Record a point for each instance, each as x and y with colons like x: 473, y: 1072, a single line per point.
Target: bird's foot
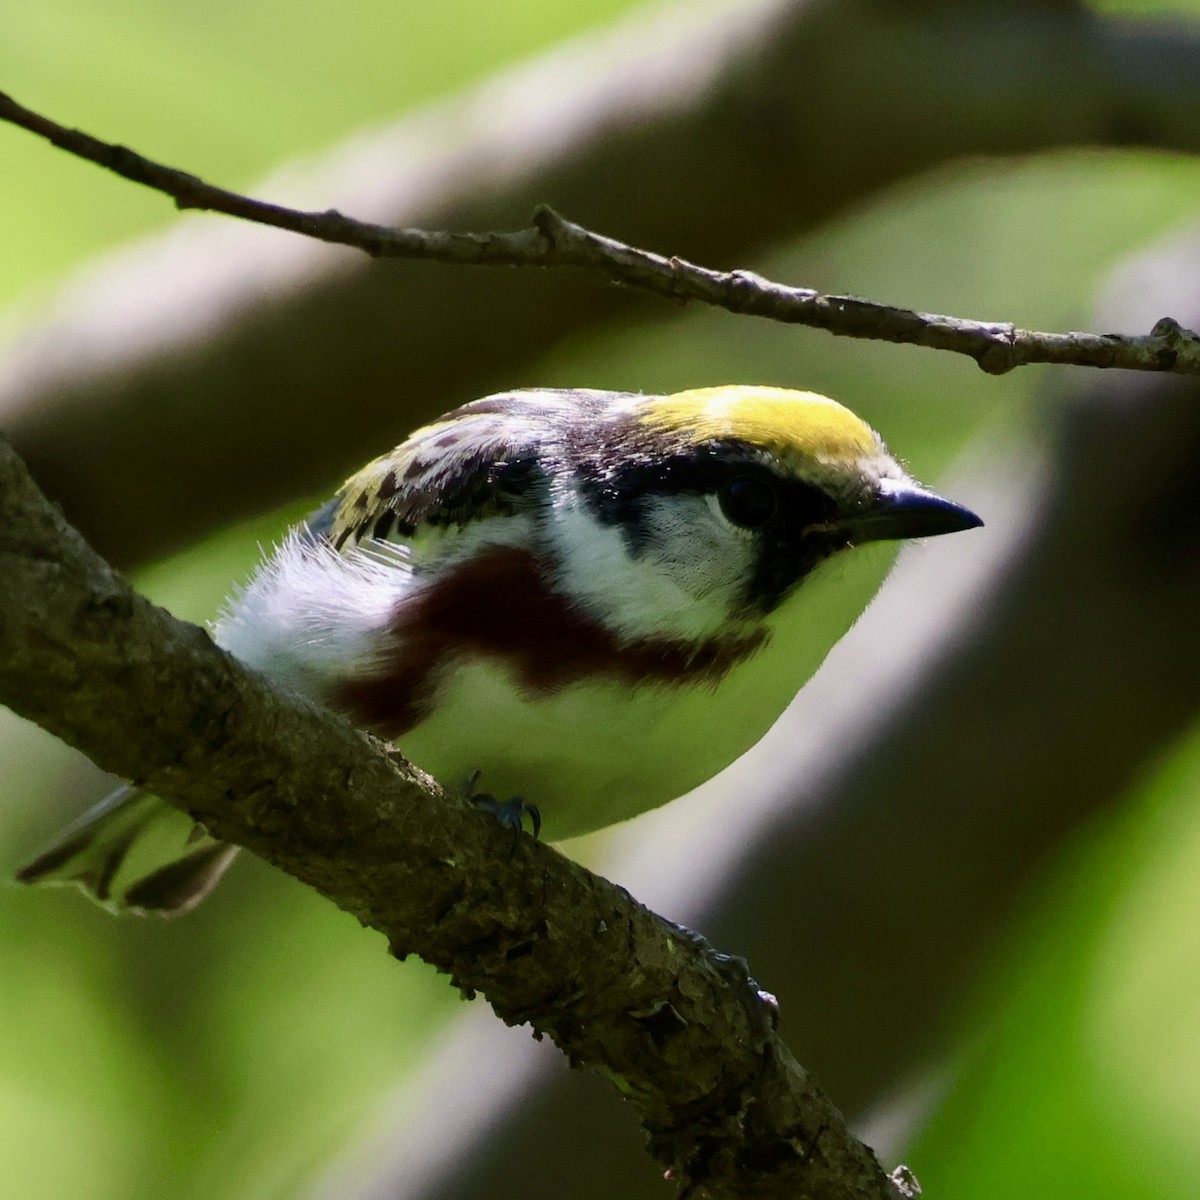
x: 511, y: 813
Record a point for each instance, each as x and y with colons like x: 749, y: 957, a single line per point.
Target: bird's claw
x: 510, y: 813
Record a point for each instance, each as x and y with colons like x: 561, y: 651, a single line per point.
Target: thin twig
x: 553, y: 241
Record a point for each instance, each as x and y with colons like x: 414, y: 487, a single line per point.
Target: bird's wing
x: 485, y: 459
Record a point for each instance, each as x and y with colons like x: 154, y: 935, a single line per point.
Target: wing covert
x: 479, y: 461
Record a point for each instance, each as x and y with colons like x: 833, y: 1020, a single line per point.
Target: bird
x: 592, y: 600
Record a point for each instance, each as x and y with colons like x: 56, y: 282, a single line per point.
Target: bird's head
x: 694, y: 514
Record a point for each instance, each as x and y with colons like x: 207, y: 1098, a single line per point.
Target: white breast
x: 598, y: 751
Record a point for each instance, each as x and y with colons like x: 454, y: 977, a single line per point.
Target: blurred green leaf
x: 1082, y: 1073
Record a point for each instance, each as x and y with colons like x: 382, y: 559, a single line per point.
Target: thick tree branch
x: 681, y: 1030
x: 556, y: 242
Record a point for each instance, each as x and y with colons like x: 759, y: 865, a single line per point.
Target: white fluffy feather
x: 311, y: 615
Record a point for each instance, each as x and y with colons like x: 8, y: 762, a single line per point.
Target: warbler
x: 596, y: 599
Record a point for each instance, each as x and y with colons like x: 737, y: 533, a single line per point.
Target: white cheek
x: 707, y: 556
x: 684, y: 583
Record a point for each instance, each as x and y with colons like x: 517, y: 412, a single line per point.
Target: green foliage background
x: 233, y: 1053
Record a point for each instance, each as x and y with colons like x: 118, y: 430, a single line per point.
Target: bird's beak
x: 903, y: 509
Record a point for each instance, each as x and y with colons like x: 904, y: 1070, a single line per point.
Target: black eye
x: 748, y: 501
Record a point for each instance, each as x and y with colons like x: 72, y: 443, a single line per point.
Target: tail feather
x: 92, y: 852
x: 180, y: 885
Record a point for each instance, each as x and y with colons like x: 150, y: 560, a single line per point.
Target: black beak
x: 903, y: 509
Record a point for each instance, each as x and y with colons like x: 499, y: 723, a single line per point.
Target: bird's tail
x: 92, y: 852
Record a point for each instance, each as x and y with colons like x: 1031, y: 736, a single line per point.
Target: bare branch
x: 681, y: 1029
x: 714, y: 128
x: 556, y: 242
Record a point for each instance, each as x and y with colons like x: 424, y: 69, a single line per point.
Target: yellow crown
x: 780, y: 420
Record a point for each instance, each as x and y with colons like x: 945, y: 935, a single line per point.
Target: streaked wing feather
x: 479, y: 461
